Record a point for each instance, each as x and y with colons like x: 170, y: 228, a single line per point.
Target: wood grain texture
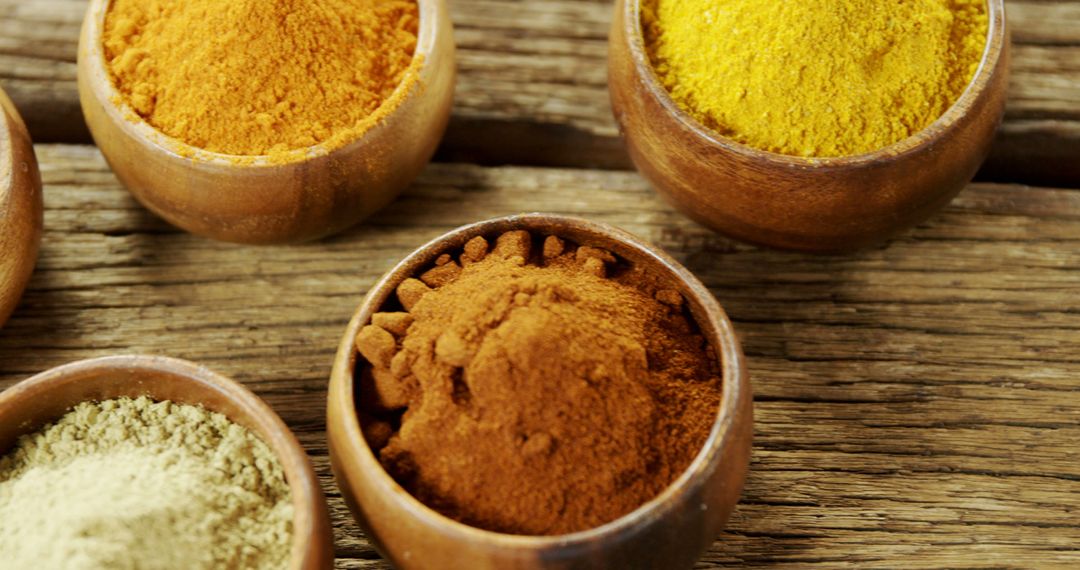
x: 532, y: 87
x: 917, y: 406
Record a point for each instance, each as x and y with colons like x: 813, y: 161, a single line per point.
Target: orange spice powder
x: 259, y: 77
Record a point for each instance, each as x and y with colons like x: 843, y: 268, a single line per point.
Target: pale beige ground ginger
x: 138, y: 484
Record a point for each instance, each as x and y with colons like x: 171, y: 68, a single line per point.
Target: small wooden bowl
x: 44, y: 398
x: 20, y: 207
x: 261, y: 201
x: 671, y: 531
x: 811, y: 204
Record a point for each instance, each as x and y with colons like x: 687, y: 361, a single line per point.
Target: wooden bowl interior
x: 708, y: 315
x: 928, y: 136
x: 44, y: 398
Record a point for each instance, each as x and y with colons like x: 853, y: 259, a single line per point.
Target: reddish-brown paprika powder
x: 536, y: 389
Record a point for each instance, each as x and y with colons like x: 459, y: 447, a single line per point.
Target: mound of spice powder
x: 133, y: 483
x: 815, y: 78
x: 260, y: 77
x: 536, y: 389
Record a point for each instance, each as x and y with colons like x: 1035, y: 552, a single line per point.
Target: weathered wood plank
x: 533, y: 87
x: 917, y: 406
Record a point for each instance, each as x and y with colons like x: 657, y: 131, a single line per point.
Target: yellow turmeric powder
x: 260, y: 77
x: 812, y: 78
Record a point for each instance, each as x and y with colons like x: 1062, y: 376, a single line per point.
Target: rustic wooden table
x: 917, y: 405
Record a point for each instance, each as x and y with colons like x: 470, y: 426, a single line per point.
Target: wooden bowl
x: 812, y: 204
x: 20, y: 207
x: 42, y: 399
x: 253, y: 199
x: 671, y: 531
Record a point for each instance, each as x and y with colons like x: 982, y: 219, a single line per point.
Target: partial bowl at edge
x: 21, y: 209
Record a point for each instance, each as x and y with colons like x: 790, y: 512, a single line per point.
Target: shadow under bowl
x: 788, y: 202
x: 670, y: 531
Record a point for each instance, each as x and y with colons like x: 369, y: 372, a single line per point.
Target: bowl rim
x: 12, y: 131
x: 735, y: 383
x: 7, y: 165
x: 927, y: 136
x: 118, y: 109
x: 307, y: 498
